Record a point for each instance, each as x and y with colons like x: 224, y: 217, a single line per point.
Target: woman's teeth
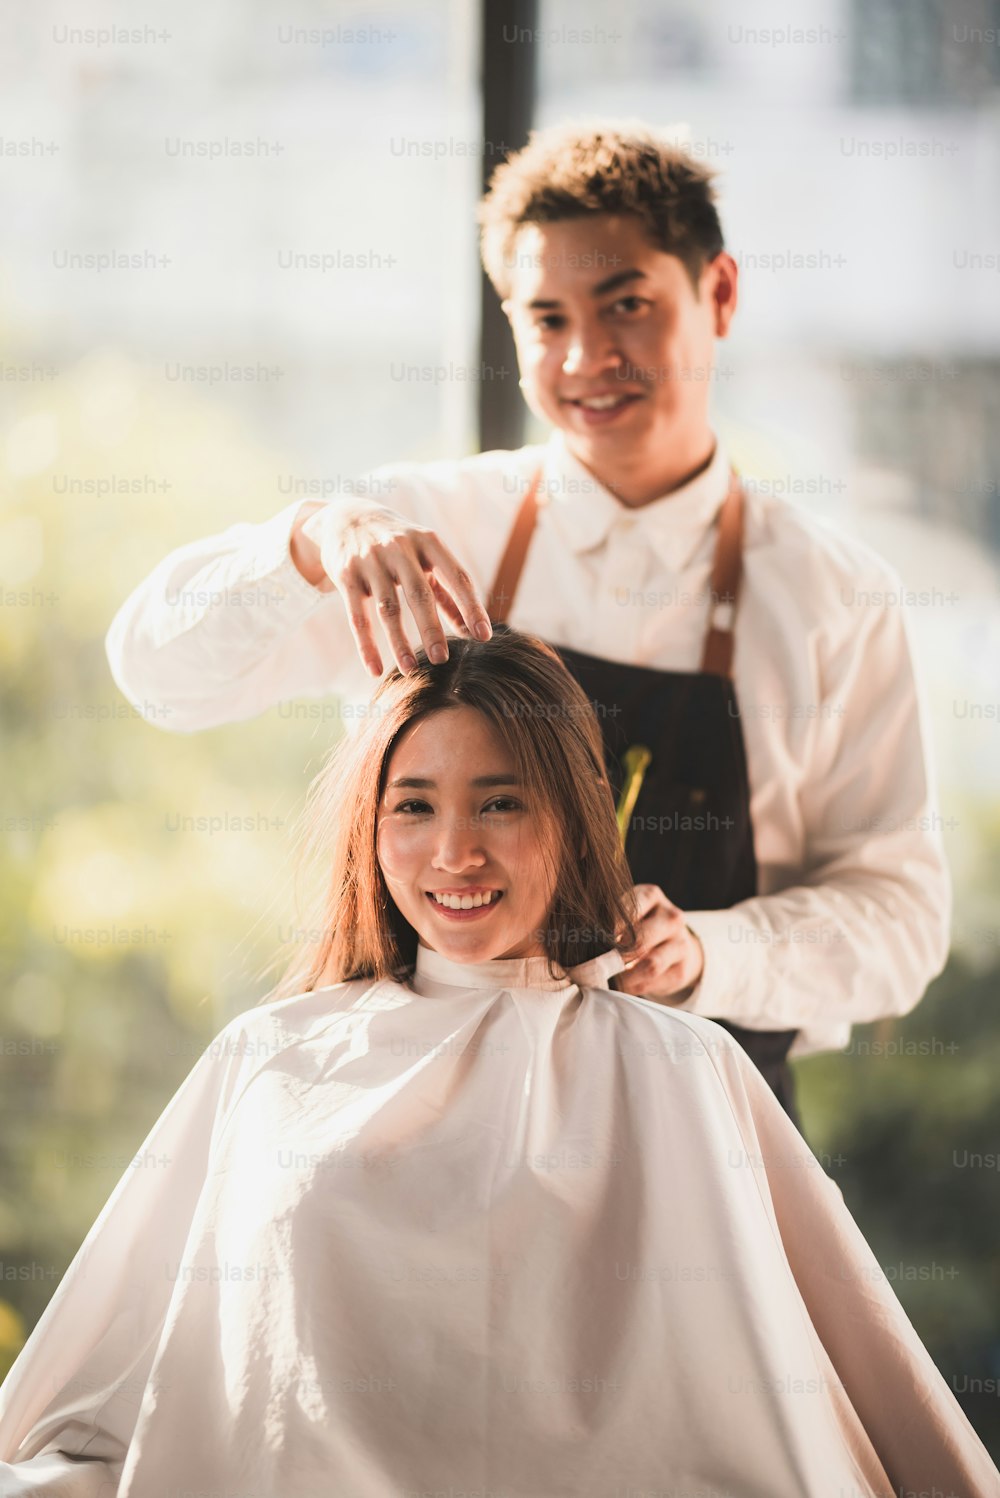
x: 466, y: 902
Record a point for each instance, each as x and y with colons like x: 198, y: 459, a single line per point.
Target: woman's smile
x: 465, y: 907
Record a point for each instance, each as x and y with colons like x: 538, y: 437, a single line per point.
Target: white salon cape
x: 488, y: 1234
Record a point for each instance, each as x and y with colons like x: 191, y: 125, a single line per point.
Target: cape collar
x: 514, y: 972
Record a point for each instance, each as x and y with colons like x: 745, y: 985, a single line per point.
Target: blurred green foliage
x: 907, y: 1121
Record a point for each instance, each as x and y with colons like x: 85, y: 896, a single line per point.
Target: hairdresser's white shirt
x: 493, y: 1232
x: 853, y: 912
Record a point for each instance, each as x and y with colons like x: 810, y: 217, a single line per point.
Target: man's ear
x: 723, y: 284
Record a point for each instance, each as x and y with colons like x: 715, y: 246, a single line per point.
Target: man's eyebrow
x: 416, y: 782
x: 610, y: 283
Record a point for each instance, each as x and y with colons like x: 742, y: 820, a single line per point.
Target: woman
x: 447, y: 1215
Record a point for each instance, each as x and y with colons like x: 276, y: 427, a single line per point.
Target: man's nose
x: 591, y: 351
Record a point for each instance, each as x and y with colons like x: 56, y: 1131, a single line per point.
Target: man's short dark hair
x: 613, y: 167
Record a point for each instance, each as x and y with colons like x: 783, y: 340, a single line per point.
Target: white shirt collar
x: 585, y: 511
x: 514, y: 972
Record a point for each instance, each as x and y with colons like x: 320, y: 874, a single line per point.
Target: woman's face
x: 453, y: 820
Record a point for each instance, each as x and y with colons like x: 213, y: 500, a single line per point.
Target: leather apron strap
x: 727, y: 570
x: 501, y: 596
x: 717, y: 657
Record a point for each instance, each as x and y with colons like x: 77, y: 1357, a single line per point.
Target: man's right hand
x: 370, y: 553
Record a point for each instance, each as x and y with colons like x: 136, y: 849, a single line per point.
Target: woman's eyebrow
x: 416, y: 782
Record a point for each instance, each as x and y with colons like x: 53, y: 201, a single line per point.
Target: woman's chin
x: 480, y: 934
x: 465, y: 946
x: 473, y: 943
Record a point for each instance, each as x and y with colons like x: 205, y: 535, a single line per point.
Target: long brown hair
x: 549, y: 726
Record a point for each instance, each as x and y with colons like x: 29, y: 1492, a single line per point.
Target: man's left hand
x: 669, y: 959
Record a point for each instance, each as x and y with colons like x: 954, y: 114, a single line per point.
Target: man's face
x: 598, y: 311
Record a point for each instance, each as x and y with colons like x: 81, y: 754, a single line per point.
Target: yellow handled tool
x: 635, y: 762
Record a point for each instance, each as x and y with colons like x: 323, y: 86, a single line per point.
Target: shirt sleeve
x: 878, y: 1369
x: 866, y: 926
x: 70, y: 1403
x: 226, y: 627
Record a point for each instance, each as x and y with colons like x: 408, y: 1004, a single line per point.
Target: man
x: 762, y: 723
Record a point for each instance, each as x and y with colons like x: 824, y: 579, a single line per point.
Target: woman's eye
x: 550, y: 321
x: 505, y: 803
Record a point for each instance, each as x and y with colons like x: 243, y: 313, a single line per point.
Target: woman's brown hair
x: 549, y: 726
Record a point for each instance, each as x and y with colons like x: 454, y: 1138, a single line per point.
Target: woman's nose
x: 459, y: 846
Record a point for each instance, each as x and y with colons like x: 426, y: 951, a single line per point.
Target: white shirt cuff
x: 269, y: 556
x: 716, y: 994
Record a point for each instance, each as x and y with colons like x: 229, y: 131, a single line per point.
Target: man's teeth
x: 603, y: 402
x: 466, y: 902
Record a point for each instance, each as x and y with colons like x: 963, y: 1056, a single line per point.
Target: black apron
x: 689, y: 831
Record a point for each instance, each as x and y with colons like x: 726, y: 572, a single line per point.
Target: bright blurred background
x: 219, y: 374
